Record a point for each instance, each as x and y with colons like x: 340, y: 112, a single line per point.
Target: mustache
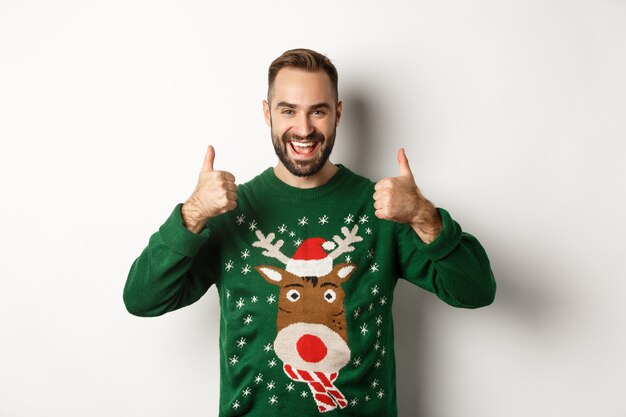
x: 316, y: 136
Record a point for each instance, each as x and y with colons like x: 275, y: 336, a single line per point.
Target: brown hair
x: 306, y: 60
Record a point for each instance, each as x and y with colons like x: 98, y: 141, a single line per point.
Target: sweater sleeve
x: 454, y: 266
x: 173, y: 271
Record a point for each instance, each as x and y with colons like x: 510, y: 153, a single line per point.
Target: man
x: 305, y: 258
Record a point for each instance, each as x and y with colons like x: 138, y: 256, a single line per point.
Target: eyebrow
x: 327, y: 284
x: 322, y: 105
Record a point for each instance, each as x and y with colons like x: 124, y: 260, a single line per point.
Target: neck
x: 319, y: 178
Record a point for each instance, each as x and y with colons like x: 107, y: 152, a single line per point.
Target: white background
x: 512, y: 114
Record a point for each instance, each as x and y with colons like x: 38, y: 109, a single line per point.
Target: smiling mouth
x: 304, y: 148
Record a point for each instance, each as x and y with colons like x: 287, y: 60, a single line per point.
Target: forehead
x: 301, y: 87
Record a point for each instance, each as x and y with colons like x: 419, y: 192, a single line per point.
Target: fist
x: 215, y: 193
x: 398, y: 198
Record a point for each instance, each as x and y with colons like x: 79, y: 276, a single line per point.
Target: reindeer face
x: 311, y: 321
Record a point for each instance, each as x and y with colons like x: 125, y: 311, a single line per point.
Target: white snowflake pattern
x: 290, y: 387
x: 227, y: 293
x: 258, y: 379
x: 379, y: 320
x: 273, y: 400
x: 236, y: 405
x: 245, y: 253
x: 304, y: 394
x: 240, y: 303
x: 233, y: 360
x: 297, y: 242
x: 364, y: 329
x: 254, y: 299
x: 271, y: 385
x: 241, y: 342
x: 303, y: 221
x: 271, y: 299
x: 357, y: 361
x: 367, y: 398
x: 354, y: 401
x: 272, y: 363
x: 374, y: 267
x: 383, y: 301
x: 377, y: 345
x: 357, y: 312
x: 348, y: 258
x: 377, y: 364
x: 268, y: 347
x: 380, y: 394
x: 252, y: 225
x: 370, y: 253
x: 246, y: 392
x: 247, y: 320
x: 363, y: 219
x: 292, y: 234
x: 323, y: 219
x: 371, y: 307
x: 375, y: 290
x: 378, y: 333
x: 368, y: 231
x: 246, y: 269
x: 282, y: 228
x: 349, y: 219
x: 374, y: 383
x: 241, y: 219
x: 229, y: 265
x: 383, y: 351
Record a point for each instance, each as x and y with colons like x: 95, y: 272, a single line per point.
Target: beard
x: 308, y: 167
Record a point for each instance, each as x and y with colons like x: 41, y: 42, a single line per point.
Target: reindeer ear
x: 343, y: 271
x: 271, y: 274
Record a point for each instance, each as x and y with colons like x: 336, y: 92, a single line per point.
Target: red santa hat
x: 311, y: 258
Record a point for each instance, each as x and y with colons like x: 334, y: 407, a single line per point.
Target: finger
x: 403, y: 162
x: 228, y: 176
x: 382, y: 184
x: 230, y: 186
x: 231, y: 196
x: 208, y: 159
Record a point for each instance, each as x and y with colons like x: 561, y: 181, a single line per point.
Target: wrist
x: 427, y: 223
x: 193, y: 218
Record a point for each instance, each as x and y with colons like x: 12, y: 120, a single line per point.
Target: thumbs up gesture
x: 398, y: 199
x: 215, y: 193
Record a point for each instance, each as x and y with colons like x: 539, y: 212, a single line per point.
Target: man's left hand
x: 398, y: 199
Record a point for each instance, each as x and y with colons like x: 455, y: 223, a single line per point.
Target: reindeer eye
x: 293, y: 295
x: 330, y: 296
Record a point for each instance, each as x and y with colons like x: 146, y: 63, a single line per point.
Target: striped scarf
x: 327, y: 396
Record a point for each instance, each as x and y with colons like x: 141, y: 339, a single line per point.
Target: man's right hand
x: 216, y: 193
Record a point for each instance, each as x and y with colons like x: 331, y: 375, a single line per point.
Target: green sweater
x: 305, y: 279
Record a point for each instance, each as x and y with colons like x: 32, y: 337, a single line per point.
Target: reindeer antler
x: 344, y: 245
x: 271, y: 250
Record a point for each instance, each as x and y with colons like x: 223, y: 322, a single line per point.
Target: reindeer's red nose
x: 311, y: 348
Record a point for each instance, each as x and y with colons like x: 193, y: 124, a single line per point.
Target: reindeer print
x: 312, y: 339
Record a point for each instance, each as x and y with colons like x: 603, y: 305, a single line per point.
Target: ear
x: 343, y: 271
x: 266, y: 113
x: 271, y: 274
x: 339, y: 111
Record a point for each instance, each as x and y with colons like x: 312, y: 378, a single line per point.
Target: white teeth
x: 302, y: 144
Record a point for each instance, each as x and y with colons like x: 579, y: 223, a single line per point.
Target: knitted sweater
x: 305, y: 280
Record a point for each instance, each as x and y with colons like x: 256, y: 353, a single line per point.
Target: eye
x: 293, y: 295
x: 330, y: 296
x: 319, y: 112
x: 287, y: 112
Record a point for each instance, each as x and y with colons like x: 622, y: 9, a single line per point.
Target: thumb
x: 403, y: 162
x: 208, y: 159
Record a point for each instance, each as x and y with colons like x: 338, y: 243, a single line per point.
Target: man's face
x: 303, y: 116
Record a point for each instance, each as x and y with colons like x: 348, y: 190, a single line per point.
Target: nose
x: 304, y: 127
x: 311, y: 348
